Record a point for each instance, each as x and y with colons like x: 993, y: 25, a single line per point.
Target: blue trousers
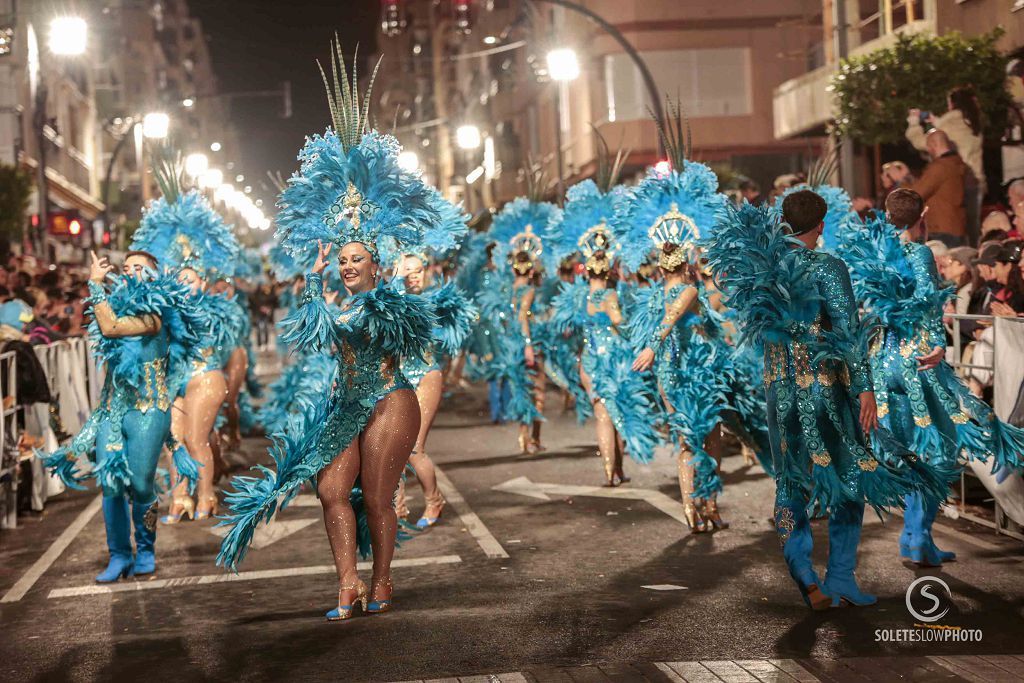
x: 144, y: 436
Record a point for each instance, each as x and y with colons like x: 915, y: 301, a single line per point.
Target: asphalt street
x: 533, y: 567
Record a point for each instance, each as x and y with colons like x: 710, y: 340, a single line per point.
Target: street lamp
x: 563, y: 64
x: 211, y: 179
x: 156, y: 125
x: 68, y: 36
x: 408, y: 161
x: 196, y: 164
x: 467, y: 136
x: 214, y: 146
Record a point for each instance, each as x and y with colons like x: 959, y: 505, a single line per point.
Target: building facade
x: 487, y: 68
x: 74, y: 121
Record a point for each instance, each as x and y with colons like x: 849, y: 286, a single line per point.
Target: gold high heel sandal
x: 710, y: 513
x: 378, y: 606
x: 342, y: 612
x: 212, y: 512
x: 524, y: 444
x: 187, y: 508
x: 693, y: 519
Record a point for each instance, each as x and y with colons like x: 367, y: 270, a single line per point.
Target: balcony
x: 803, y: 104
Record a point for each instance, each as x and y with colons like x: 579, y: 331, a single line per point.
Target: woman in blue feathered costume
x: 517, y: 231
x: 798, y: 305
x: 455, y: 317
x: 350, y: 191
x: 189, y: 238
x: 146, y: 332
x: 670, y: 323
x: 920, y: 398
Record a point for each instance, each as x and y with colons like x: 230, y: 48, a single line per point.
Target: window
x: 712, y: 82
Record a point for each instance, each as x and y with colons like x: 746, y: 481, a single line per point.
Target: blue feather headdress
x: 519, y: 228
x: 671, y: 211
x: 350, y: 187
x: 438, y: 239
x: 183, y: 230
x: 586, y: 208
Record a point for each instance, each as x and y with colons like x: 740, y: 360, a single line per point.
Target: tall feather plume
x: 167, y: 171
x: 824, y: 168
x: 536, y: 180
x: 277, y: 181
x: 608, y: 168
x: 674, y: 131
x: 350, y: 114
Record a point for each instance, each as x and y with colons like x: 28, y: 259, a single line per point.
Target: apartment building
x: 487, y: 69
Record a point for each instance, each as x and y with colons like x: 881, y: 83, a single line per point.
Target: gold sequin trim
x: 960, y: 418
x: 923, y: 421
x: 155, y: 374
x: 868, y: 464
x: 821, y: 459
x: 883, y: 410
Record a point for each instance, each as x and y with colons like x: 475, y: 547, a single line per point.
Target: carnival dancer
x: 517, y: 231
x: 349, y: 193
x: 480, y: 276
x: 670, y: 321
x: 147, y: 334
x: 455, y: 317
x: 920, y: 398
x: 798, y: 305
x: 191, y: 240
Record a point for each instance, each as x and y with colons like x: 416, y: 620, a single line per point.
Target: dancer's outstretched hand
x: 100, y: 267
x: 323, y: 251
x: 644, y: 361
x: 932, y: 359
x: 868, y: 412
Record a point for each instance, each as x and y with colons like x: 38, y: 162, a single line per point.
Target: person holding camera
x: 963, y: 125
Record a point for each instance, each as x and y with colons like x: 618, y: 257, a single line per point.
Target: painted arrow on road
x: 270, y: 533
x: 522, y: 486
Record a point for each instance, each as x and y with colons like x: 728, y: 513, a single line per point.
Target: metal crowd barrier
x: 1003, y: 384
x: 8, y: 442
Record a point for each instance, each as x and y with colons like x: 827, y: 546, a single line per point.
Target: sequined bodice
x: 598, y: 329
x: 365, y: 372
x: 151, y: 352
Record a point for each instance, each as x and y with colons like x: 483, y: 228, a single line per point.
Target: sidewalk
x: 983, y: 669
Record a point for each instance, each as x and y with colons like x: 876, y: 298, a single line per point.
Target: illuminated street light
x: 563, y: 64
x: 211, y: 179
x: 196, y: 164
x: 467, y: 136
x: 68, y: 36
x: 408, y: 161
x: 490, y: 40
x: 156, y: 125
x: 188, y: 103
x: 224, y: 192
x: 215, y: 147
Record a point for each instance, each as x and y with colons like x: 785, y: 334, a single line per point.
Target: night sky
x: 257, y: 44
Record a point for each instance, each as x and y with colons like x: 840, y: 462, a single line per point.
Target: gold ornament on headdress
x: 676, y: 228
x: 597, y: 248
x: 525, y: 243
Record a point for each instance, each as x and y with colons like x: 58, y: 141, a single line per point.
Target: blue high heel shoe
x: 119, y: 539
x: 342, y: 612
x: 437, y: 501
x: 794, y: 529
x: 378, y: 606
x: 844, y: 527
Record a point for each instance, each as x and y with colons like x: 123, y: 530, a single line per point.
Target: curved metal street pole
x: 108, y: 178
x: 627, y: 47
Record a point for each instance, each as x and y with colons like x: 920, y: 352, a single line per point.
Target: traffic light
x: 65, y: 223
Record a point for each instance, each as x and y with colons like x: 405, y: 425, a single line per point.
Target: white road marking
x: 226, y: 577
x: 524, y: 487
x: 267, y: 534
x: 29, y: 578
x: 474, y: 525
x: 665, y: 587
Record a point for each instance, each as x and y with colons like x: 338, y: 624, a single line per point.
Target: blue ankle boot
x: 843, y: 540
x: 119, y: 539
x: 911, y: 523
x: 144, y: 518
x: 794, y: 529
x: 930, y: 511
